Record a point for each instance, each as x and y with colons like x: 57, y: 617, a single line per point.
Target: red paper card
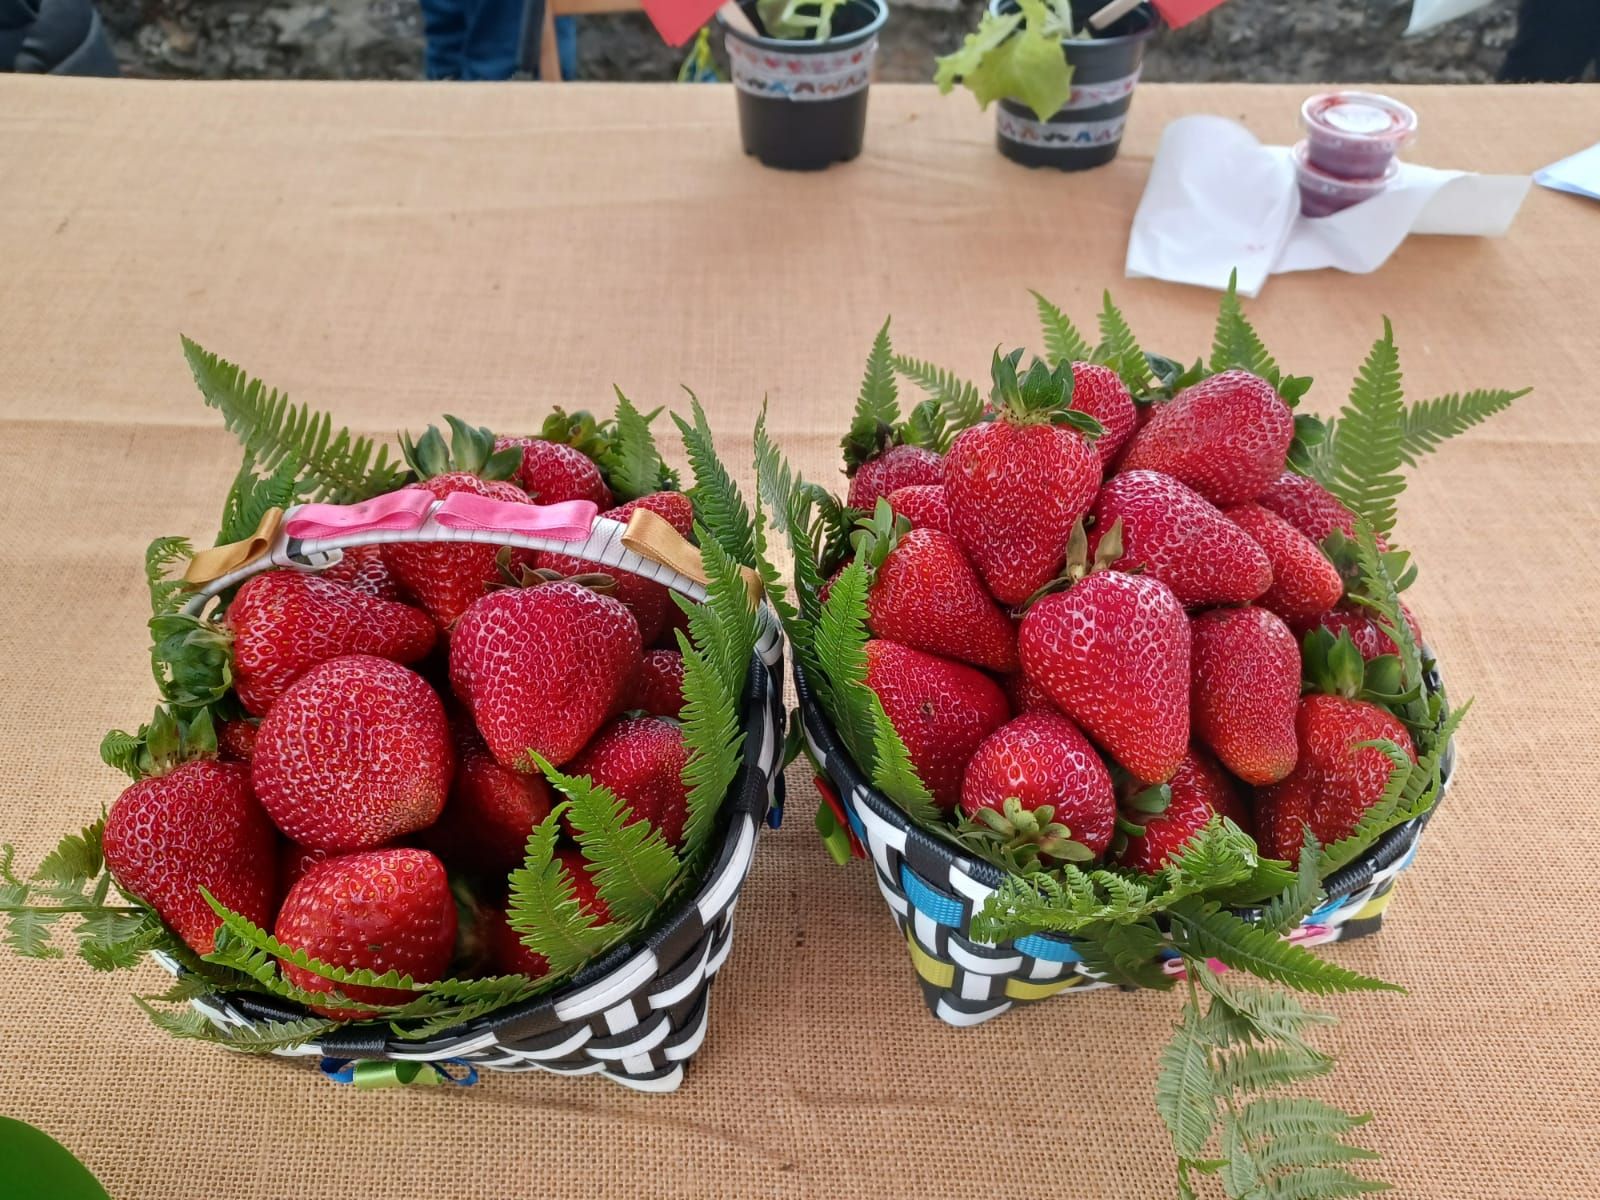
x: 1177, y: 13
x: 679, y: 20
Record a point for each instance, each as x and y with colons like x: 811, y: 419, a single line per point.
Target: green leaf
x: 544, y: 909
x: 1300, y: 898
x: 1119, y: 349
x: 1235, y: 342
x: 116, y: 941
x: 1368, y: 440
x: 252, y: 496
x: 28, y: 932
x: 718, y: 506
x: 958, y: 404
x: 1210, y: 932
x: 632, y: 865
x: 1186, y: 1098
x: 339, y: 468
x: 892, y: 772
x: 841, y: 640
x: 1295, y: 1117
x: 1382, y: 815
x: 967, y: 59
x: 877, y: 406
x: 1429, y: 422
x: 1062, y: 341
x: 1259, y: 1068
x: 77, y: 857
x: 631, y: 461
x: 1319, y: 1183
x: 260, y: 1037
x: 1028, y: 68
x: 160, y: 557
x: 1125, y: 954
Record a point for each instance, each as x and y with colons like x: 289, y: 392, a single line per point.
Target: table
x: 394, y: 251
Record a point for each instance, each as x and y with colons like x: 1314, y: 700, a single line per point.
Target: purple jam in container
x: 1355, y: 135
x: 1322, y: 194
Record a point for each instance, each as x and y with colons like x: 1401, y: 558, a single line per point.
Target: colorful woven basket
x: 638, y: 1015
x: 933, y: 889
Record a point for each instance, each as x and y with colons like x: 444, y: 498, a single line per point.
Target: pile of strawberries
x: 379, y: 783
x: 1085, y: 621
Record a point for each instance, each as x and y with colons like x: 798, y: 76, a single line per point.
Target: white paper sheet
x: 1218, y: 200
x: 1579, y: 174
x: 1425, y: 14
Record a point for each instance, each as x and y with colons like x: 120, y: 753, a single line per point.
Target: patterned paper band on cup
x: 1094, y: 95
x: 801, y: 76
x: 1062, y: 134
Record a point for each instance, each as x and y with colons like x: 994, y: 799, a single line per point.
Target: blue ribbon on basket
x: 369, y: 1074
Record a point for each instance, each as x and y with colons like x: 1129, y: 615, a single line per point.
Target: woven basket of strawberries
x: 459, y: 761
x: 1108, y: 674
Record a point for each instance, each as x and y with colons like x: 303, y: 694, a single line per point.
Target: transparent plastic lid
x: 1359, y: 117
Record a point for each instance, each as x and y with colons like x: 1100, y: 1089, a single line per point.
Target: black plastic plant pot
x: 1087, y: 132
x: 933, y: 890
x: 803, y: 105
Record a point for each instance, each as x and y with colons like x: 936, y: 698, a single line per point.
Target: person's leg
x: 494, y: 39
x: 444, y: 32
x: 1556, y: 41
x: 567, y: 46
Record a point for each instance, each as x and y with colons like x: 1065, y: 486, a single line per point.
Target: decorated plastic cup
x: 1322, y: 194
x: 1355, y: 135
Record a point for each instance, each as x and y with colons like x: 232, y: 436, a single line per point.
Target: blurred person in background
x: 490, y: 39
x: 1557, y: 42
x: 54, y: 37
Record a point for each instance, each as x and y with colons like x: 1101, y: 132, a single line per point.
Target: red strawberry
x: 1026, y: 696
x: 1333, y: 782
x: 541, y: 668
x: 353, y: 755
x: 509, y: 955
x: 641, y: 760
x: 1308, y: 506
x: 446, y: 577
x: 926, y: 595
x: 1246, y: 668
x: 1174, y: 534
x: 491, y: 810
x: 658, y: 688
x: 1199, y: 790
x: 1226, y: 437
x: 1099, y: 391
x: 236, y: 740
x: 295, y: 860
x: 924, y: 505
x: 649, y: 601
x: 552, y: 472
x: 380, y: 911
x: 1018, y: 484
x: 895, y: 468
x: 363, y: 568
x: 196, y: 826
x: 941, y: 709
x: 1041, y: 759
x: 285, y: 622
x: 1112, y: 652
x: 1304, y: 582
x: 1370, y: 640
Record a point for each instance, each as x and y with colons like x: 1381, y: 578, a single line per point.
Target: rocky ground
x: 1257, y: 40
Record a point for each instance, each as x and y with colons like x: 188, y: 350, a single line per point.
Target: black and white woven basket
x: 933, y: 890
x: 638, y: 1015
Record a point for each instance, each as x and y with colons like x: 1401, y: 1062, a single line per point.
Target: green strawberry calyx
x: 1042, y: 396
x: 1030, y: 839
x: 875, y: 537
x: 1334, y: 666
x: 515, y: 573
x: 1079, y: 565
x: 165, y: 742
x: 579, y: 430
x: 470, y: 450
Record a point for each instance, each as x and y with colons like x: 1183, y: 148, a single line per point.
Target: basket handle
x: 651, y: 536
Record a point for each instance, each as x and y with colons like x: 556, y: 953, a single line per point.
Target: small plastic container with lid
x: 1355, y: 135
x: 1322, y: 194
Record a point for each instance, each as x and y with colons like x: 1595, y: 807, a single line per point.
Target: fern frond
x: 1293, y: 1117
x: 251, y: 496
x: 160, y: 557
x: 1208, y: 931
x: 877, y: 405
x: 1062, y: 341
x: 718, y: 505
x: 1367, y: 442
x: 1429, y: 422
x: 840, y: 641
x: 339, y: 468
x: 1235, y: 342
x: 1300, y: 898
x: 260, y: 1037
x: 1128, y: 955
x: 958, y: 402
x: 76, y: 858
x: 631, y: 460
x: 892, y: 772
x: 1261, y: 1068
x: 1186, y: 1097
x: 544, y: 910
x: 1120, y: 351
x: 1381, y: 816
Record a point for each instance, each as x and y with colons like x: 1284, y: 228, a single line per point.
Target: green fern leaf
x: 1062, y: 341
x: 631, y: 461
x: 1429, y: 422
x: 1283, y: 1118
x: 184, y: 988
x: 718, y: 506
x: 1368, y: 440
x: 1209, y: 932
x: 1236, y: 343
x: 841, y: 640
x: 1261, y: 1068
x: 1319, y: 1183
x: 167, y: 596
x: 1314, y: 1151
x: 544, y: 910
x: 259, y: 1038
x: 1185, y: 1096
x: 1125, y: 954
x: 1240, y: 1174
x: 28, y: 931
x: 789, y: 499
x: 116, y: 941
x: 957, y: 402
x: 467, y: 1000
x: 877, y: 405
x: 1300, y: 898
x: 1380, y: 593
x: 339, y: 468
x: 77, y: 857
x: 892, y: 772
x: 251, y: 496
x: 1119, y: 350
x: 1381, y: 816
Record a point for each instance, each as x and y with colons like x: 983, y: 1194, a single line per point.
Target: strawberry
x: 1304, y: 581
x: 363, y: 568
x: 236, y: 740
x: 926, y: 595
x: 507, y: 952
x: 1112, y: 653
x: 676, y: 619
x: 1308, y: 506
x: 1199, y: 790
x: 924, y: 505
x: 355, y: 753
x: 1369, y: 639
x: 649, y: 601
x: 1172, y: 533
x: 1246, y: 669
x: 541, y: 668
x: 1226, y: 437
x: 1026, y: 696
x: 194, y: 825
x: 1099, y: 391
x: 285, y: 622
x: 1033, y: 763
x: 1017, y: 485
x: 658, y: 687
x: 895, y: 468
x: 641, y: 760
x: 942, y: 710
x: 1335, y: 780
x: 379, y: 911
x: 551, y: 472
x: 491, y: 810
x: 295, y: 860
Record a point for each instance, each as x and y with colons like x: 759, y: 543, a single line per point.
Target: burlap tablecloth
x: 394, y: 252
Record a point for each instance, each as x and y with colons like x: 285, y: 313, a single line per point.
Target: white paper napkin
x: 1579, y: 174
x: 1425, y: 14
x: 1218, y: 200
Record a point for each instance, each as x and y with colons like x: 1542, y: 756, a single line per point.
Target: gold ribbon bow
x: 651, y: 536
